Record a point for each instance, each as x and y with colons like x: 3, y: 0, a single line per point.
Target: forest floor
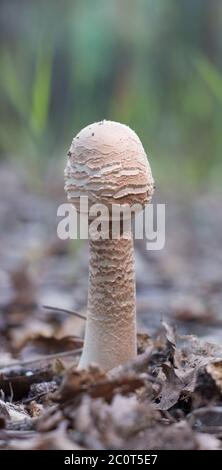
x: 170, y: 397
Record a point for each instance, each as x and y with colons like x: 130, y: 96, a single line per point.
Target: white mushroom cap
x: 107, y: 163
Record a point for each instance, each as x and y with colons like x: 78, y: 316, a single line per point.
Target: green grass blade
x: 41, y: 91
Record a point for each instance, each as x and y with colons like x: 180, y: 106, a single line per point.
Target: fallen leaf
x: 43, y: 345
x: 96, y: 384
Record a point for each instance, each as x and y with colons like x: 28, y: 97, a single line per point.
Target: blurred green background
x: 153, y: 64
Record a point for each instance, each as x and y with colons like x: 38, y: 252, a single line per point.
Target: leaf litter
x: 160, y: 400
x: 169, y: 397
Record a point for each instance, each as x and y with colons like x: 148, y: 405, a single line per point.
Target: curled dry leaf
x: 97, y: 384
x: 172, y: 387
x: 43, y: 345
x: 22, y: 330
x: 168, y: 333
x: 109, y: 388
x: 76, y: 382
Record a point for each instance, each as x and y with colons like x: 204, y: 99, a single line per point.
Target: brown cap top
x: 107, y: 163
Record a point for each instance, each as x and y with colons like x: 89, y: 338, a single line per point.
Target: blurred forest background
x: 155, y: 65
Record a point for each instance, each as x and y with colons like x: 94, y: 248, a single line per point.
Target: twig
x: 47, y: 357
x: 65, y: 310
x: 35, y: 397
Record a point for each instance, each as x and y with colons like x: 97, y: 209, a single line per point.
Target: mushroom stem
x: 110, y: 338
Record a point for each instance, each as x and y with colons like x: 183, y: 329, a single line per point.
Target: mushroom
x: 107, y: 163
